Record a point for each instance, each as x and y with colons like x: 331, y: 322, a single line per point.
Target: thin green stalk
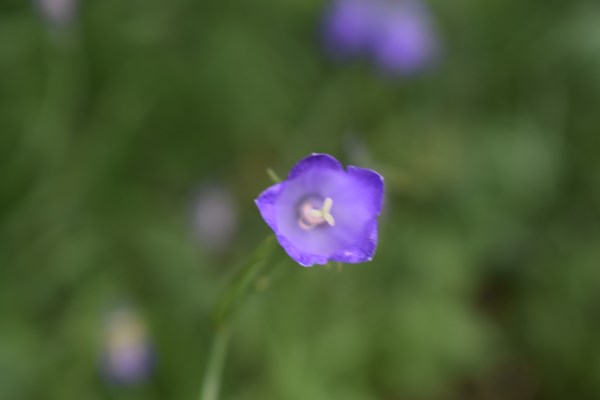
x: 212, y: 377
x: 239, y: 283
x: 231, y: 298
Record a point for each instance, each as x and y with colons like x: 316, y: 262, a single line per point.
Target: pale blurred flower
x: 127, y: 356
x: 215, y: 217
x: 58, y: 12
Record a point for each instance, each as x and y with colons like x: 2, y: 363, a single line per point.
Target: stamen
x: 311, y: 217
x: 327, y: 211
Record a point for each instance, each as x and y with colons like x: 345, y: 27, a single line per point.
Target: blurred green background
x: 486, y: 283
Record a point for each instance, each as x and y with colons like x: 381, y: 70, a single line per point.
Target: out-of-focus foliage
x: 486, y: 284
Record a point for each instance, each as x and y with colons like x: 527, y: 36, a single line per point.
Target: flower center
x: 310, y: 216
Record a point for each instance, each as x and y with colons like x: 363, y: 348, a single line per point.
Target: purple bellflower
x: 397, y: 35
x: 323, y: 213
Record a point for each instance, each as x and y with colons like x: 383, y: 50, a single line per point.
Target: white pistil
x: 311, y: 217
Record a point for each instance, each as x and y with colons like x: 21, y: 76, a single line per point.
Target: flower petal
x: 266, y: 204
x: 315, y: 160
x: 361, y: 251
x: 301, y: 257
x: 373, y: 185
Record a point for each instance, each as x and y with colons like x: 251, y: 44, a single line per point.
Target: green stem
x: 231, y: 298
x: 241, y: 280
x: 214, y: 369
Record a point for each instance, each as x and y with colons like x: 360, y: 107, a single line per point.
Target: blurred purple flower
x: 127, y: 357
x: 322, y: 213
x: 398, y: 35
x: 58, y: 12
x: 215, y: 217
x: 348, y: 27
x: 405, y: 41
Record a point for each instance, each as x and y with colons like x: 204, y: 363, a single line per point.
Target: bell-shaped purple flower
x: 324, y: 213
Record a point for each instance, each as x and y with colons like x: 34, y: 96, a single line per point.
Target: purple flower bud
x: 348, y: 27
x: 127, y: 357
x: 405, y: 41
x: 398, y: 35
x: 322, y: 213
x: 215, y: 217
x: 58, y: 12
